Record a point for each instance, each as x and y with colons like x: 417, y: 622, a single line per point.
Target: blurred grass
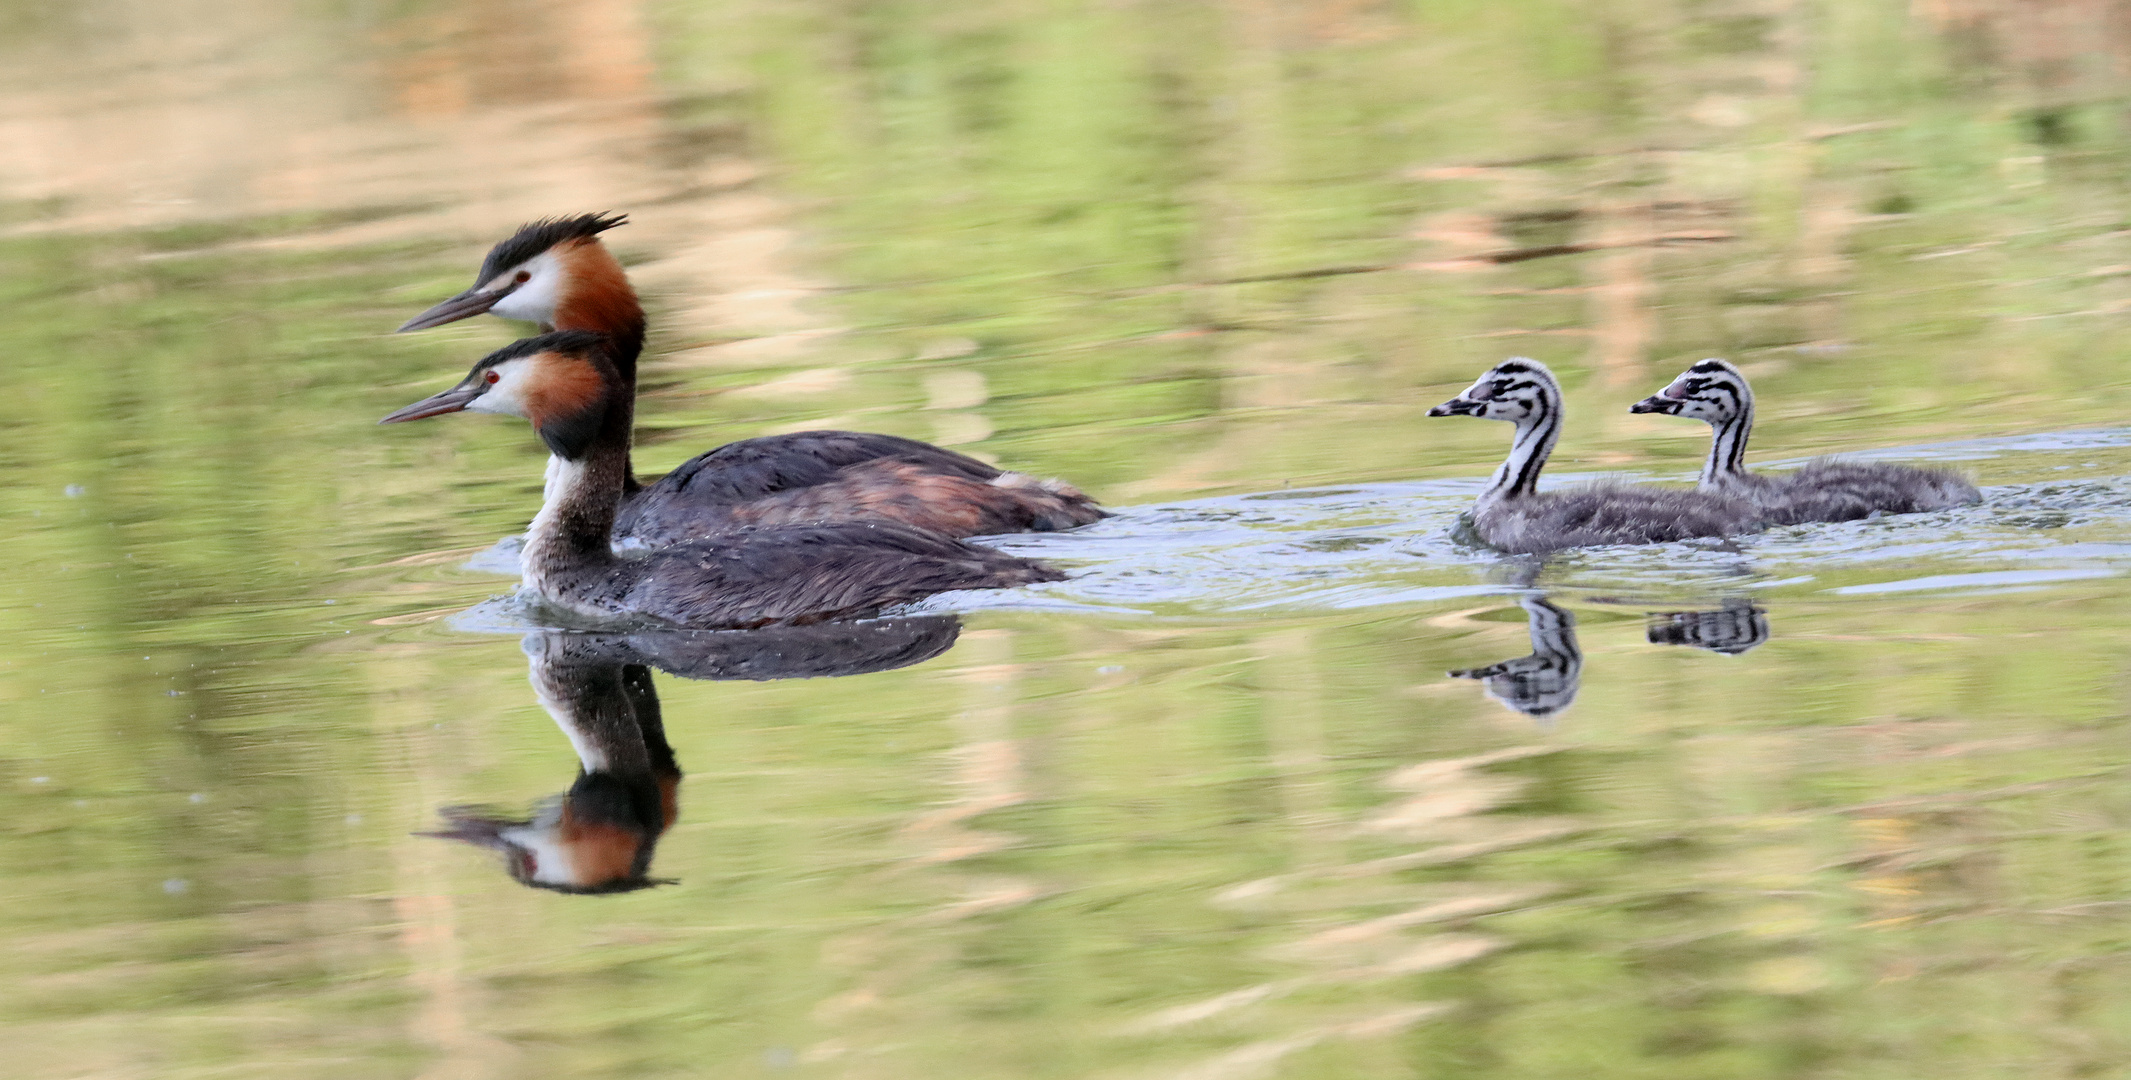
x: 1889, y: 843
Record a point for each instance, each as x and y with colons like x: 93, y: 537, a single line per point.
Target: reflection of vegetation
x: 1885, y: 843
x: 1053, y: 186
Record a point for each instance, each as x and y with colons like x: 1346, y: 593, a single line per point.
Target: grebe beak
x: 453, y: 400
x: 468, y: 824
x: 1457, y: 406
x: 466, y: 305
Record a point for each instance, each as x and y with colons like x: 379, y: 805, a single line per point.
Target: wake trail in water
x: 2068, y: 518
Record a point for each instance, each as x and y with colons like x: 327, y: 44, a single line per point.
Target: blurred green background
x: 1168, y: 250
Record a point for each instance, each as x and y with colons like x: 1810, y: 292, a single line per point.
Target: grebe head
x: 1518, y: 390
x: 1712, y: 391
x: 563, y: 847
x: 534, y: 272
x: 562, y: 382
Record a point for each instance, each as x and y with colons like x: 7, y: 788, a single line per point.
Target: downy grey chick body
x: 1825, y: 489
x: 1514, y: 516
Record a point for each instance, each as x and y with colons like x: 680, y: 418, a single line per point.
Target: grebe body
x: 1512, y: 515
x: 566, y: 384
x: 1825, y: 489
x: 557, y: 273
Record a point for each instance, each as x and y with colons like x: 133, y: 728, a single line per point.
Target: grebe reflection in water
x: 1545, y: 683
x: 1738, y: 626
x: 600, y: 836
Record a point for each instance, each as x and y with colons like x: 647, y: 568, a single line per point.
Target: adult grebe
x: 1715, y: 392
x: 578, y: 402
x: 1514, y: 516
x: 558, y: 273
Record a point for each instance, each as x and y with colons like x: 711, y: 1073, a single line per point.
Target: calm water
x: 1837, y: 801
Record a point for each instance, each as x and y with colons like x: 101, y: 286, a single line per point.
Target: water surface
x: 1842, y: 801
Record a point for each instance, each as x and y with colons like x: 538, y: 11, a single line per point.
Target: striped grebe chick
x: 568, y: 387
x: 558, y: 273
x: 1825, y: 489
x: 1513, y: 515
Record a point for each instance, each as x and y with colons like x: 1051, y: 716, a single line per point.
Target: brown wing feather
x: 882, y: 489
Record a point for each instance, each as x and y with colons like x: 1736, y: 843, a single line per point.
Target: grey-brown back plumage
x: 825, y: 476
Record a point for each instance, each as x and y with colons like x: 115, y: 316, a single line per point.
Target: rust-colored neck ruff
x: 598, y: 297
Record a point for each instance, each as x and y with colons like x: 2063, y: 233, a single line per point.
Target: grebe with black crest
x: 566, y: 384
x: 558, y: 273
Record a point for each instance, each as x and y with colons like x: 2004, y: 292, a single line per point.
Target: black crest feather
x: 537, y: 236
x: 563, y: 341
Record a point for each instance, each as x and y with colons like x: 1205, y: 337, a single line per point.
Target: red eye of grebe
x: 524, y: 276
x: 492, y: 378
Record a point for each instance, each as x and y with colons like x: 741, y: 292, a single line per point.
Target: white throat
x: 1518, y: 475
x: 543, y: 535
x: 1727, y: 444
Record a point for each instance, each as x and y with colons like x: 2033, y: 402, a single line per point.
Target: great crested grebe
x: 1514, y: 516
x: 600, y: 836
x: 578, y: 402
x: 1824, y: 489
x: 556, y: 272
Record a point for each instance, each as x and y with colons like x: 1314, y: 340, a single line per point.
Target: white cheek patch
x: 505, y: 396
x: 535, y: 300
x: 552, y: 863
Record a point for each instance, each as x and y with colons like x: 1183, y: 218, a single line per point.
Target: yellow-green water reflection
x: 1170, y: 251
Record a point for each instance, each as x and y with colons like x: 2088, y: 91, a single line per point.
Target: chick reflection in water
x: 1545, y: 683
x: 599, y: 837
x: 1736, y: 627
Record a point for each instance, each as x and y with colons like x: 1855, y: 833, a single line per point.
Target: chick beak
x: 1667, y: 401
x: 1457, y: 406
x: 466, y: 305
x: 453, y: 400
